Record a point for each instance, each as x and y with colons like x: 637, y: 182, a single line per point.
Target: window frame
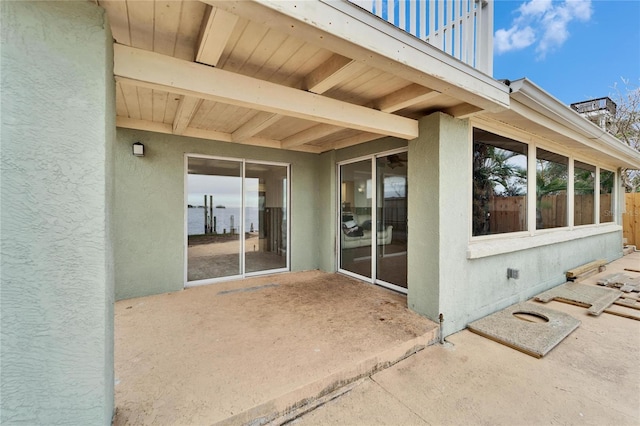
x: 567, y: 232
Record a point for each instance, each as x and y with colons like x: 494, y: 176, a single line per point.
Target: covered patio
x: 256, y: 348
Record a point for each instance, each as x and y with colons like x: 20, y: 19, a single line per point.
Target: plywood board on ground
x: 533, y: 338
x: 597, y: 299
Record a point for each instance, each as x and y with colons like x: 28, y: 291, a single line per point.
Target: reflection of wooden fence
x: 631, y: 219
x: 508, y: 214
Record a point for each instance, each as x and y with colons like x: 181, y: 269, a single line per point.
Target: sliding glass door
x: 236, y: 218
x: 373, y: 219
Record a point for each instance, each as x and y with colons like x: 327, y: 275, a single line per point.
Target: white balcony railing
x: 461, y: 28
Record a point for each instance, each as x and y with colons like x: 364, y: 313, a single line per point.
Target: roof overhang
x: 301, y: 75
x: 538, y: 113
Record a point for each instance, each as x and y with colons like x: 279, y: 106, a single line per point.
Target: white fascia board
x: 589, y: 134
x: 346, y: 29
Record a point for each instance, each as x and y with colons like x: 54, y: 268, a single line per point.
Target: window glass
x: 551, y: 189
x: 499, y: 184
x: 607, y: 179
x: 584, y: 177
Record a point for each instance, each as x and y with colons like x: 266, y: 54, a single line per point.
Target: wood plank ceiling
x: 187, y: 68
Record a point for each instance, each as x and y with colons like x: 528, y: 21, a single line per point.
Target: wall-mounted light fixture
x: 138, y: 149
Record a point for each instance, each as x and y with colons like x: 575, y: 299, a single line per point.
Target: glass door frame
x: 374, y: 219
x: 243, y: 274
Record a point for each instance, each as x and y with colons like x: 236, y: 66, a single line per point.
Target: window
x: 607, y: 179
x: 551, y: 189
x: 499, y: 184
x: 584, y: 176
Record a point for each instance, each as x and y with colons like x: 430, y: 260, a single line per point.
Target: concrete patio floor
x: 256, y: 348
x: 591, y: 378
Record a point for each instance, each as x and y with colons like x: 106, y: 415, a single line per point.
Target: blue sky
x: 573, y: 49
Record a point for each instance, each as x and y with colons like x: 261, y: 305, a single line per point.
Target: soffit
x: 228, y: 73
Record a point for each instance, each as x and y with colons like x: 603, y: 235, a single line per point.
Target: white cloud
x: 541, y: 22
x: 513, y: 39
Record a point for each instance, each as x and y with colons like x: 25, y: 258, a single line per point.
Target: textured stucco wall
x: 423, y: 220
x: 441, y: 278
x: 56, y: 294
x: 327, y: 211
x: 149, y: 207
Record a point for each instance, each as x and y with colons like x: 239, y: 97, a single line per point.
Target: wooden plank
x: 145, y: 99
x: 330, y: 73
x: 255, y: 125
x: 217, y: 27
x: 191, y: 18
x: 118, y: 20
x: 315, y: 132
x: 631, y: 219
x: 186, y: 109
x: 121, y: 105
x: 405, y: 97
x: 130, y: 95
x: 463, y: 110
x: 159, y: 105
x: 166, y: 25
x: 172, y: 106
x: 631, y: 305
x: 586, y: 267
x: 141, y: 14
x: 154, y: 71
x: 622, y: 314
x: 264, y: 50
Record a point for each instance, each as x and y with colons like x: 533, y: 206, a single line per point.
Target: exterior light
x: 138, y: 149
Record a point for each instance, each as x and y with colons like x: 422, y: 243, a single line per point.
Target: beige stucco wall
x: 56, y: 274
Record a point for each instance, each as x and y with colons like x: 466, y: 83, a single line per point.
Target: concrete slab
x: 592, y: 378
x: 533, y: 338
x: 258, y: 348
x: 596, y: 298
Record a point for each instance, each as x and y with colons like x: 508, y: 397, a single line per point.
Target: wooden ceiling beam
x: 186, y: 110
x: 462, y: 110
x: 352, y: 140
x: 217, y: 27
x: 332, y: 72
x: 255, y: 125
x: 152, y: 126
x: 311, y: 134
x: 366, y: 39
x: 152, y: 70
x: 405, y: 97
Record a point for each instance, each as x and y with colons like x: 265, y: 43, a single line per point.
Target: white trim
x: 480, y: 249
x: 242, y: 228
x: 596, y: 196
x: 392, y: 287
x: 374, y: 218
x: 571, y: 202
x: 539, y: 106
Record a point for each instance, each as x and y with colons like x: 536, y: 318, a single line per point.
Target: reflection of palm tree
x: 551, y: 179
x: 494, y: 174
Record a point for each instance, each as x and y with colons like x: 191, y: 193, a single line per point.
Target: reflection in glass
x: 551, y: 189
x: 584, y: 177
x: 391, y: 260
x: 265, y: 217
x: 607, y: 179
x: 499, y: 184
x: 214, y: 215
x: 356, y: 202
